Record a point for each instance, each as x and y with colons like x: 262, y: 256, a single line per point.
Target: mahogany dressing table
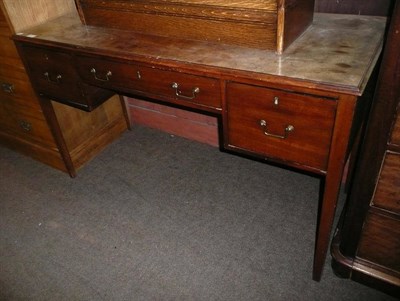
x: 302, y: 108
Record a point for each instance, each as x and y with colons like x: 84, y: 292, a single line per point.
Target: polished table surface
x: 337, y: 52
x: 321, y: 75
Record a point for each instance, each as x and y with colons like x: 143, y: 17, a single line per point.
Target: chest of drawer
x: 181, y: 88
x: 279, y: 125
x: 53, y: 74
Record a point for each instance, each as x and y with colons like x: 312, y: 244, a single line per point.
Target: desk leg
x: 52, y: 121
x: 125, y: 110
x: 336, y: 163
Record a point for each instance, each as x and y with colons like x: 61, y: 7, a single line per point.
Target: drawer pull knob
x: 106, y: 77
x: 178, y: 93
x: 26, y: 126
x: 57, y: 79
x: 8, y: 88
x: 289, y: 128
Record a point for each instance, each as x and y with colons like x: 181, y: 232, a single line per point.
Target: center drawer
x: 280, y: 125
x: 181, y: 88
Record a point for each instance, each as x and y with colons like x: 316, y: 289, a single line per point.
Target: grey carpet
x: 157, y: 217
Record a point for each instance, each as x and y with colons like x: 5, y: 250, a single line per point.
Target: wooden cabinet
x: 268, y: 24
x: 73, y: 136
x: 23, y: 125
x: 366, y: 246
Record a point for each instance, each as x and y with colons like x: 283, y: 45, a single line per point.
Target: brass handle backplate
x: 25, y: 125
x: 57, y: 79
x: 289, y: 128
x: 106, y: 77
x: 178, y: 93
x: 8, y: 88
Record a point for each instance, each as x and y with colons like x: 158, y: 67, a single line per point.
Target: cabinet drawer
x: 380, y: 241
x: 27, y: 124
x: 170, y: 85
x: 387, y: 193
x: 18, y: 92
x: 280, y: 125
x: 54, y: 75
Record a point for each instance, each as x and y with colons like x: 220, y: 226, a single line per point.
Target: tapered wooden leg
x: 125, y: 110
x: 333, y: 180
x: 54, y: 126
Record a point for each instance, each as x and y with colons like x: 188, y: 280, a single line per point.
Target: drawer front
x: 387, y: 193
x: 280, y: 125
x: 27, y: 124
x: 53, y: 73
x: 380, y: 241
x: 18, y: 92
x: 181, y: 87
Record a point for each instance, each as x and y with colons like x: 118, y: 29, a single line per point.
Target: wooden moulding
x: 269, y: 24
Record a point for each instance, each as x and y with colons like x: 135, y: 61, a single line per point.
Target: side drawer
x: 18, y: 92
x: 182, y: 88
x: 53, y: 74
x: 280, y: 125
x: 387, y: 192
x: 380, y: 241
x: 26, y: 123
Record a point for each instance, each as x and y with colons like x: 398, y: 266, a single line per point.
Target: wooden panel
x: 79, y: 127
x: 191, y: 125
x: 380, y: 241
x: 297, y: 18
x: 255, y: 4
x: 387, y: 194
x: 254, y: 111
x: 27, y: 13
x: 259, y: 36
x: 258, y: 24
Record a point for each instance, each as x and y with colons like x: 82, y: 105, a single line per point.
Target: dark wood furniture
x: 298, y: 109
x: 23, y: 125
x: 366, y: 246
x: 266, y: 24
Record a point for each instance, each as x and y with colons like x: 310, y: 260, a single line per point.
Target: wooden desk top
x: 336, y: 53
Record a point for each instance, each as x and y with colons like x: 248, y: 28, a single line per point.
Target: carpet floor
x: 159, y: 217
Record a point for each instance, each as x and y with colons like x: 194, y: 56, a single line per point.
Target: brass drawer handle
x: 8, y: 88
x: 57, y: 79
x: 25, y: 125
x: 106, y: 77
x: 195, y: 90
x: 289, y: 128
